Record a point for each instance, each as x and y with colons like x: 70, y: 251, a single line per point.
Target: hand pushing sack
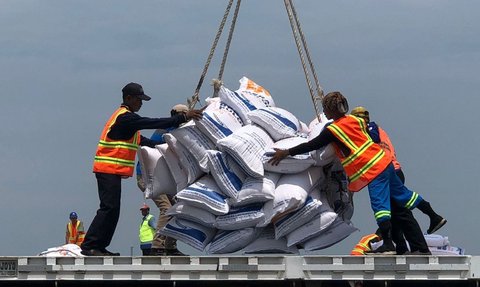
x: 194, y: 114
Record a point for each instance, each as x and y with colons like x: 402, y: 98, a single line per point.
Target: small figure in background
x: 75, y: 233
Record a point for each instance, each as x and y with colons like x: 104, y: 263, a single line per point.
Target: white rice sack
x: 187, y: 160
x: 267, y: 244
x: 447, y: 250
x: 195, y: 142
x: 67, y: 250
x: 338, y: 231
x: 248, y: 86
x: 247, y: 146
x: 291, y: 193
x: 313, y: 228
x: 241, y: 217
x: 294, y: 220
x: 177, y: 171
x: 325, y: 155
x: 229, y: 241
x: 228, y: 175
x: 290, y: 164
x: 278, y: 123
x: 191, y: 233
x: 205, y: 194
x: 183, y: 210
x: 241, y: 102
x: 436, y: 240
x: 155, y: 173
x: 304, y: 129
x: 257, y: 189
x: 219, y: 120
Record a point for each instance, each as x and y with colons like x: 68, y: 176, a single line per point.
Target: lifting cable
x: 297, y: 32
x: 194, y: 99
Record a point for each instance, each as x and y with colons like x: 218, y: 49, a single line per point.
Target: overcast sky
x: 414, y: 64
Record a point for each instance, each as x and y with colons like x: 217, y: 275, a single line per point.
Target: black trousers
x: 404, y: 224
x: 100, y: 232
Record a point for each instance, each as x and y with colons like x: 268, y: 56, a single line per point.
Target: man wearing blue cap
x: 75, y: 233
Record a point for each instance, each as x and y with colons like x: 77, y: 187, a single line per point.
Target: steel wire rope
x: 195, y: 98
x: 294, y: 25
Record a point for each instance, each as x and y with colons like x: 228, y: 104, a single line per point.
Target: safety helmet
x: 145, y: 206
x: 361, y: 112
x: 73, y: 215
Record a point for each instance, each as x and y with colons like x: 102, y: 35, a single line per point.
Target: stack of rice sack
x: 440, y: 245
x: 229, y: 198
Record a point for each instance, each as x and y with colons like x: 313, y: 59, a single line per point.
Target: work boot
x: 92, y: 252
x: 436, y: 222
x: 108, y: 253
x: 387, y: 247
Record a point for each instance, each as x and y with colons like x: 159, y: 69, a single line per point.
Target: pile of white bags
x: 229, y: 198
x: 437, y: 244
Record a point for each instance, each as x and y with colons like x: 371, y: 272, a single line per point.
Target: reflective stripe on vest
x: 387, y: 146
x: 113, y: 156
x: 366, y: 159
x: 363, y: 246
x: 75, y: 236
x: 146, y: 233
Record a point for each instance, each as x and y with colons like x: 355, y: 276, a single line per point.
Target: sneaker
x: 436, y: 223
x: 92, y: 252
x: 174, y: 252
x: 108, y: 253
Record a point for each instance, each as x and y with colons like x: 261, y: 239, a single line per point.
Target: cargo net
x: 229, y: 198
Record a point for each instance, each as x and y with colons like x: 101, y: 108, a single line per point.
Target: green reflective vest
x: 146, y: 231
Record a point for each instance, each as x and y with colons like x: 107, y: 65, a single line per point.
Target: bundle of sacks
x: 230, y: 199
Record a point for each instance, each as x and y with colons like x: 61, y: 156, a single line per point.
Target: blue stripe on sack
x: 245, y: 101
x: 232, y: 177
x: 224, y: 106
x: 197, y: 234
x: 307, y: 202
x: 211, y: 194
x: 247, y: 208
x: 222, y: 129
x: 284, y: 120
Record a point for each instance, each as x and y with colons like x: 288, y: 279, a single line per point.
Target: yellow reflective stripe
x: 412, y: 200
x: 114, y: 160
x: 362, y: 126
x: 382, y: 213
x: 131, y: 146
x: 339, y: 132
x: 366, y: 167
x: 357, y: 153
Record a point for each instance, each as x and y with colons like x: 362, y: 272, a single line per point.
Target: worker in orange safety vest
x: 75, y: 233
x: 365, y: 164
x: 115, y: 160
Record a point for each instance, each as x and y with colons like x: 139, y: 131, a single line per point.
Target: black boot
x: 387, y: 248
x: 436, y: 221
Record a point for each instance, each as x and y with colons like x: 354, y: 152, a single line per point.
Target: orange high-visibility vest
x: 116, y: 157
x: 366, y: 160
x: 363, y: 246
x: 76, y: 234
x: 387, y: 146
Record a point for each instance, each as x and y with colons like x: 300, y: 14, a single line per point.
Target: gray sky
x: 413, y: 64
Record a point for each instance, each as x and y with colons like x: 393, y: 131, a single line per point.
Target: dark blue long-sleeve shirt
x: 129, y: 123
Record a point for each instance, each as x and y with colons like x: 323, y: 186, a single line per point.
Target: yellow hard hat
x: 360, y: 112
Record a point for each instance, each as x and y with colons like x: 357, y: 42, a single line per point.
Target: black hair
x: 335, y: 102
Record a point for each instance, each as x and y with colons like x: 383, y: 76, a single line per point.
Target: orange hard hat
x: 145, y: 206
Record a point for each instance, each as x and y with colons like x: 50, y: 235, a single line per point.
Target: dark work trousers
x: 100, y: 232
x: 404, y: 224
